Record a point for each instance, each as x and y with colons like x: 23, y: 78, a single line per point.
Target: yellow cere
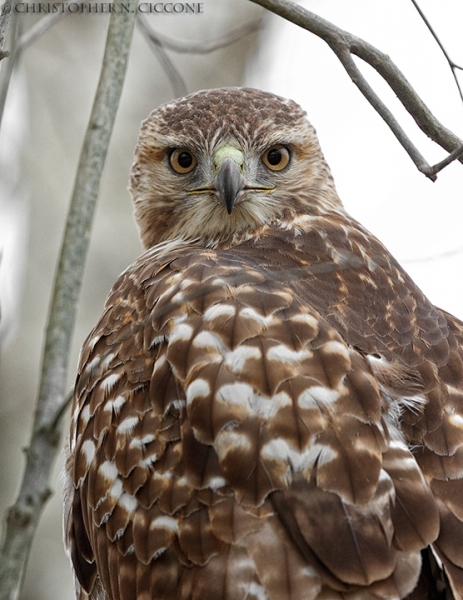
x: 228, y: 152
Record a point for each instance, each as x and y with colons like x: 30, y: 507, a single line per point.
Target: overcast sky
x: 419, y: 221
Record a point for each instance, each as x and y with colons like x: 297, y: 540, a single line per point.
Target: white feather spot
x: 128, y: 502
x: 250, y: 313
x: 268, y: 407
x: 334, y: 347
x: 219, y: 310
x: 179, y: 298
x: 321, y: 454
x: 182, y: 332
x: 115, y: 405
x: 116, y: 489
x: 185, y: 283
x: 452, y: 389
x: 149, y: 460
x: 306, y: 319
x: 176, y: 404
x: 85, y: 414
x: 255, y: 590
x: 140, y: 442
x: 298, y: 461
x: 110, y: 381
x: 127, y: 425
x: 165, y: 523
x: 317, y: 396
x: 236, y: 360
x: 219, y: 282
x: 107, y: 359
x: 236, y: 393
x: 157, y: 340
x: 456, y: 420
x: 109, y: 470
x: 404, y: 460
x: 92, y: 343
x: 282, y: 353
x: 199, y: 388
x: 216, y: 483
x: 76, y: 414
x: 93, y: 364
x: 229, y: 439
x: 242, y: 394
x: 159, y: 363
x: 207, y: 339
x: 88, y: 449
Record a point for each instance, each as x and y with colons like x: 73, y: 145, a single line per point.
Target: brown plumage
x: 269, y: 408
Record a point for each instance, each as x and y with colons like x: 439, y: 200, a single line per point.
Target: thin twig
x: 38, y: 29
x: 160, y: 42
x: 181, y: 46
x: 23, y: 517
x: 172, y: 73
x: 344, y: 44
x: 21, y: 43
x: 456, y: 154
x: 433, y: 257
x: 41, y: 27
x: 452, y: 65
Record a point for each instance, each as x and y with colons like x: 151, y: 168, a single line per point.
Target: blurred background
x: 48, y: 107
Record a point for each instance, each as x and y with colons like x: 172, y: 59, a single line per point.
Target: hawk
x: 268, y: 408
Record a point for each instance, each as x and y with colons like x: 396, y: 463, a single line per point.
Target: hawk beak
x: 229, y: 181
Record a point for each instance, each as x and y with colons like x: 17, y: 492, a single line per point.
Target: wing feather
x: 241, y: 421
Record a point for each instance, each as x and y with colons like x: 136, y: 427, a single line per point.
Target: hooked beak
x: 228, y: 183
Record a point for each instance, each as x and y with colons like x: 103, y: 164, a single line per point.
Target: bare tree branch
x: 452, y: 65
x: 178, y: 84
x: 38, y: 29
x: 19, y: 44
x: 344, y: 45
x: 180, y: 46
x: 5, y: 21
x: 22, y: 518
x: 159, y: 42
x: 456, y: 154
x: 41, y: 27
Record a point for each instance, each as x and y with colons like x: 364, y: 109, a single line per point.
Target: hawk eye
x: 276, y: 157
x: 182, y: 160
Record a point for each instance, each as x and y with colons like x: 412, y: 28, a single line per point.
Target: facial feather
x: 165, y: 209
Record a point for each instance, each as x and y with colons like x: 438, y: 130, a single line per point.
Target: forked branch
x: 345, y: 45
x: 453, y: 66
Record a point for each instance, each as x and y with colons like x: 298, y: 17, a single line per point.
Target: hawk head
x: 220, y: 165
